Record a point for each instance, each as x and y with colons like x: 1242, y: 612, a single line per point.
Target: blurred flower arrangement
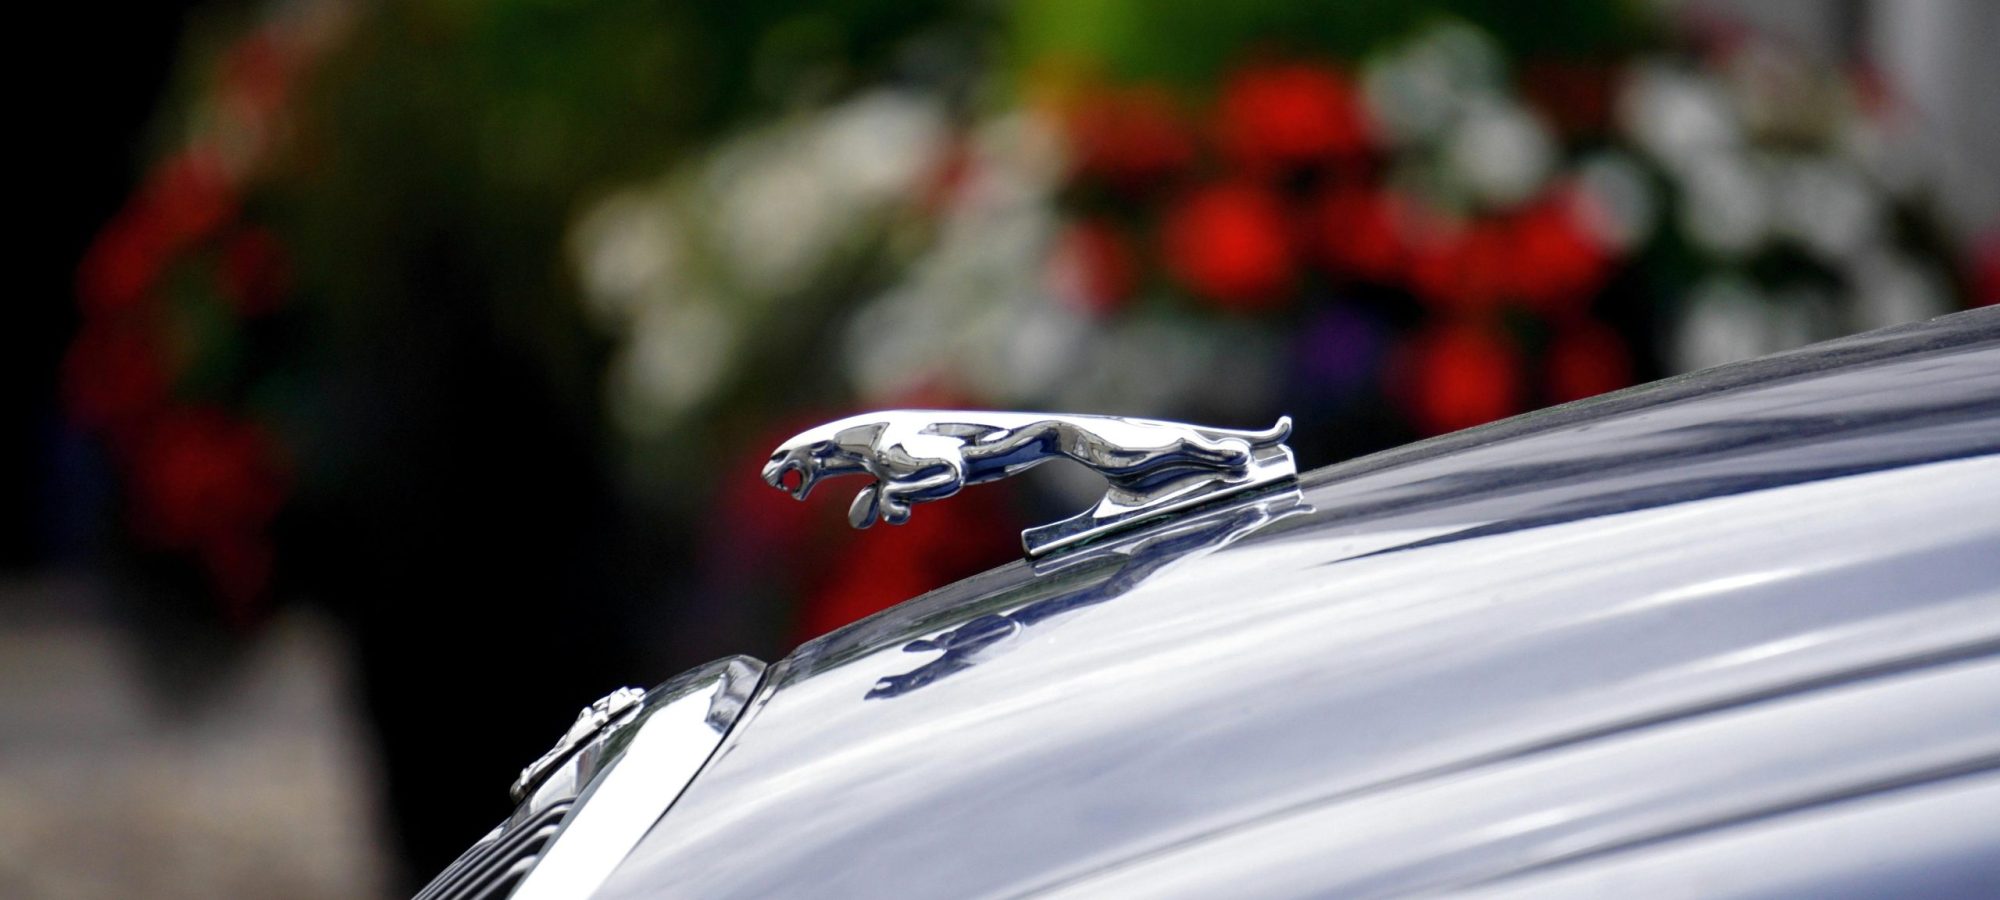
x: 1429, y: 229
x: 181, y: 363
x: 688, y: 270
x: 1434, y: 237
x: 1402, y: 224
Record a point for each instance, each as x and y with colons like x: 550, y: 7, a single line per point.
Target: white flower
x: 774, y: 212
x: 1500, y: 151
x: 1417, y: 91
x: 1724, y: 321
x: 1726, y: 204
x: 1728, y: 319
x: 1829, y: 207
x: 790, y: 197
x: 625, y: 250
x: 1623, y: 208
x: 1893, y: 289
x: 674, y: 359
x: 1677, y: 117
x: 976, y: 297
x: 876, y: 147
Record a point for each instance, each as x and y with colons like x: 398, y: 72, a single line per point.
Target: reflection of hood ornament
x: 1138, y: 559
x: 917, y: 456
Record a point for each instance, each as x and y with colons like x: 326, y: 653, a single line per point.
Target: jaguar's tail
x: 1275, y: 434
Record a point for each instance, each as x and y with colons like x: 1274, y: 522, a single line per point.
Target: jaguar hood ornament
x: 917, y: 456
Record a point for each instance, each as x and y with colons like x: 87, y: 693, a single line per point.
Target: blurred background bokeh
x: 397, y: 374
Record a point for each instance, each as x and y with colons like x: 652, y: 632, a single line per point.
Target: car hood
x: 1500, y: 651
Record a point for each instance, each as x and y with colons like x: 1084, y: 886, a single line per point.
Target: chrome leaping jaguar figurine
x: 917, y: 456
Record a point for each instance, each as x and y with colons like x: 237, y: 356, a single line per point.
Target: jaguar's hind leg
x: 895, y: 497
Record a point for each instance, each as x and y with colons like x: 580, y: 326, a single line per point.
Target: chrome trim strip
x: 631, y: 773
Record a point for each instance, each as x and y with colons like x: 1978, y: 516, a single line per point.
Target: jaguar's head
x: 813, y: 456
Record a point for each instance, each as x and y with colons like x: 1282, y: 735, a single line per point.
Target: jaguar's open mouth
x: 780, y: 470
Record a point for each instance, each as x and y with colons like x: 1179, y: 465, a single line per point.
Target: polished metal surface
x: 1734, y: 622
x: 919, y: 455
x: 593, y: 719
x: 627, y: 776
x: 495, y: 864
x: 1148, y: 555
x: 611, y: 777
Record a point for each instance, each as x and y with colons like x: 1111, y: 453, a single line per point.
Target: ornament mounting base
x: 1121, y: 510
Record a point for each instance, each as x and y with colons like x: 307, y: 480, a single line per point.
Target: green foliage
x: 1191, y: 42
x: 448, y: 143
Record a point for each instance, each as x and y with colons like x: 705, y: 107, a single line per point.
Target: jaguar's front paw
x: 895, y: 510
x: 861, y: 513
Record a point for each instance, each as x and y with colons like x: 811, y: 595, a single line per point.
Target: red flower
x: 1463, y: 270
x: 887, y: 564
x: 255, y: 271
x: 1554, y: 265
x: 1541, y: 257
x: 114, y: 377
x: 188, y: 197
x: 1287, y: 115
x: 199, y: 476
x: 1094, y: 267
x: 877, y: 571
x: 1587, y: 359
x: 184, y: 200
x: 1231, y: 245
x: 762, y: 523
x: 1460, y: 376
x: 1574, y: 94
x: 255, y: 75
x: 1986, y: 272
x: 1359, y: 233
x: 1132, y: 138
x: 122, y: 264
x: 203, y: 483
